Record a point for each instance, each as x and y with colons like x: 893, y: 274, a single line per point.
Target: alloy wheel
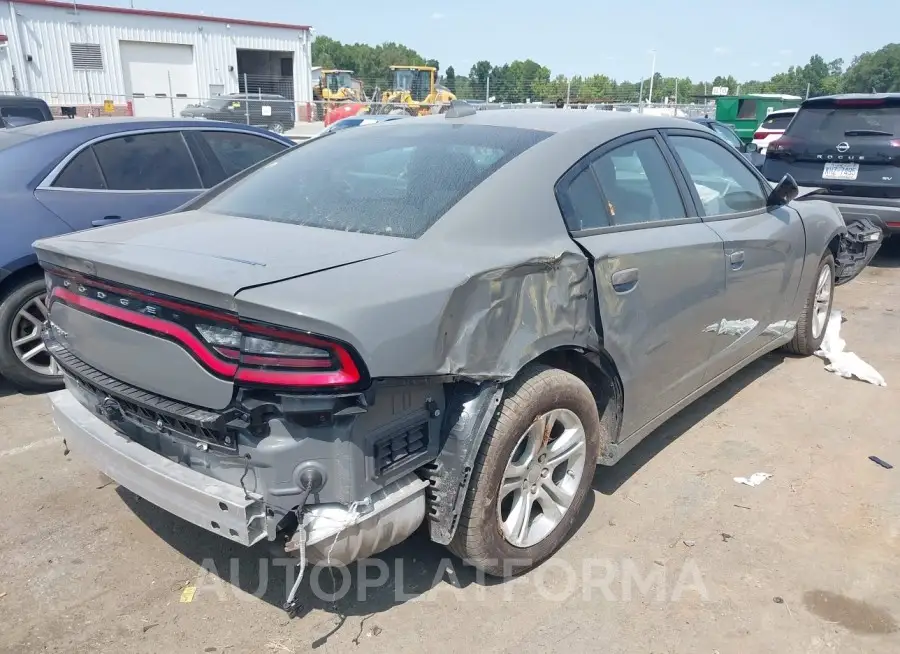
x: 25, y: 334
x: 541, y: 478
x: 822, y: 302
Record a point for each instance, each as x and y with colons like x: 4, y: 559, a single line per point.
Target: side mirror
x: 751, y: 147
x: 784, y: 192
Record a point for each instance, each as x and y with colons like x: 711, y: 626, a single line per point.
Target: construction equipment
x: 335, y: 87
x: 415, y: 91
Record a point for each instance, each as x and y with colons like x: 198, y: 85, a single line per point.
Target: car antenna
x: 459, y: 109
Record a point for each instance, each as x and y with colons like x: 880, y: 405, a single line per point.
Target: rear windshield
x: 778, y: 121
x: 836, y: 123
x: 395, y: 181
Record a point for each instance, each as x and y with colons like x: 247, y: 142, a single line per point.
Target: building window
x: 86, y: 56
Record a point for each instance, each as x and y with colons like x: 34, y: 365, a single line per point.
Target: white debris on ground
x: 845, y: 364
x: 755, y: 479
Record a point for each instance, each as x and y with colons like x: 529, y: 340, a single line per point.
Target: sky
x: 697, y: 41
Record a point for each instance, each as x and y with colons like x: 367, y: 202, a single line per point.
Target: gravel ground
x: 672, y: 555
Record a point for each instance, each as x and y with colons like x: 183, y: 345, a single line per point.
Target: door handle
x: 624, y: 281
x: 106, y: 220
x: 736, y: 259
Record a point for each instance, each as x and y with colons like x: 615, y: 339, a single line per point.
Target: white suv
x: 772, y: 128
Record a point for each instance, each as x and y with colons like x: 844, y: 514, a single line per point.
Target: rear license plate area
x: 841, y: 171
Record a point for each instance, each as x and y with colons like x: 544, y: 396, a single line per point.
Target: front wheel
x: 24, y: 360
x: 278, y: 128
x: 532, y: 473
x: 813, y: 320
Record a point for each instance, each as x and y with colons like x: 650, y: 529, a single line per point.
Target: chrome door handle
x: 624, y: 281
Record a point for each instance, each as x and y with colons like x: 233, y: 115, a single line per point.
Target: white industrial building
x: 146, y: 63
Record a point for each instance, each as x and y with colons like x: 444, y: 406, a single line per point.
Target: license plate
x: 840, y: 171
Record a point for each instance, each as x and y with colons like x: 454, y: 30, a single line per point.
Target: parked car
x: 458, y: 339
x: 17, y: 110
x: 728, y: 133
x: 269, y: 110
x: 849, y: 147
x: 67, y: 175
x: 361, y: 121
x: 772, y: 128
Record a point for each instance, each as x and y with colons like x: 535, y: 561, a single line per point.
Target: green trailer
x: 746, y: 112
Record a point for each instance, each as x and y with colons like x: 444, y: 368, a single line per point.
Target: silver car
x: 452, y: 322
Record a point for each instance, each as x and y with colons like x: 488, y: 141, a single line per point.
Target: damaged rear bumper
x: 858, y: 246
x: 206, y: 502
x: 343, y: 533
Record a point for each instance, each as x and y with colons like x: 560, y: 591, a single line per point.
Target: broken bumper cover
x: 858, y: 246
x: 206, y: 502
x: 384, y: 519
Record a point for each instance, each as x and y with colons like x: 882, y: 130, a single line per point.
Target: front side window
x: 394, y: 182
x: 158, y: 161
x: 732, y: 138
x: 724, y: 183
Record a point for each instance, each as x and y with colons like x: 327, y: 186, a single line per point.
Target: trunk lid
x: 206, y: 257
x: 848, y: 145
x: 127, y: 300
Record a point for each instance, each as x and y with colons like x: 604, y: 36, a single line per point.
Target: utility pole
x: 641, y: 95
x: 487, y: 88
x: 568, y: 90
x: 676, y: 93
x: 807, y: 90
x: 652, y: 73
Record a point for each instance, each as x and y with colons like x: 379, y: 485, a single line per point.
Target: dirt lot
x: 672, y: 556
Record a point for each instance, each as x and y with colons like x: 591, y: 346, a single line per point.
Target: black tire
x: 278, y: 128
x: 478, y: 539
x: 805, y: 341
x: 16, y: 372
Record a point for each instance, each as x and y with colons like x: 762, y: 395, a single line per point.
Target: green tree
x: 450, y: 79
x: 874, y: 72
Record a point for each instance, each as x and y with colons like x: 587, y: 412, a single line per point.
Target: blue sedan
x: 68, y: 175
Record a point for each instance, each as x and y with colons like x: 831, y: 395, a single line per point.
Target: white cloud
x: 437, y: 16
x: 785, y: 53
x: 719, y: 50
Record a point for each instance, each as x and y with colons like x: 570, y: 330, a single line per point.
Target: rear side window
x: 82, y: 172
x: 778, y: 121
x: 394, y: 182
x: 837, y: 123
x: 147, y: 162
x: 237, y: 151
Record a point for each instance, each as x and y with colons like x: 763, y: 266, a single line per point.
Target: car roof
x: 791, y: 110
x: 117, y: 124
x: 563, y: 120
x: 851, y: 96
x: 19, y: 99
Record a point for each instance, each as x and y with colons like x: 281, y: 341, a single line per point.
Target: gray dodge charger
x: 447, y: 320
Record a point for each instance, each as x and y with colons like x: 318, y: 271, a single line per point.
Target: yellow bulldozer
x: 415, y: 91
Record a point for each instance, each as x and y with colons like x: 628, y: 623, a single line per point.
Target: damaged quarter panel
x: 496, y: 282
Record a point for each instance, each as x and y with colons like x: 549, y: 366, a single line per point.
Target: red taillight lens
x: 782, y: 144
x: 760, y: 135
x: 274, y: 357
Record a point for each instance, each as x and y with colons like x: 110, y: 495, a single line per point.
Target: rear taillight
x: 758, y: 136
x: 271, y: 356
x: 228, y: 346
x: 782, y: 145
x: 859, y: 102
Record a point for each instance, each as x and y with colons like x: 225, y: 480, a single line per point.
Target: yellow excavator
x: 415, y: 91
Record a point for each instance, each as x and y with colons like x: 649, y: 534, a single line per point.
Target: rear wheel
x: 24, y: 361
x: 532, y: 473
x: 278, y: 128
x: 816, y: 312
